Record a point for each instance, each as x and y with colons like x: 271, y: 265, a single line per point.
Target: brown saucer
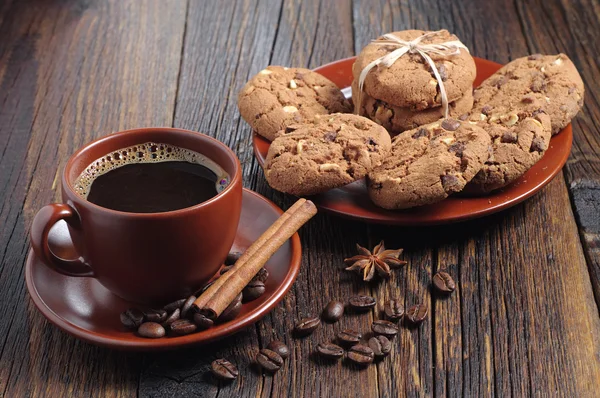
x: 353, y: 201
x: 85, y: 309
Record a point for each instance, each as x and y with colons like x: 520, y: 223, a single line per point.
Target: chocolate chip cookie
x: 328, y: 152
x: 515, y: 148
x: 529, y: 85
x: 410, y: 82
x: 396, y: 119
x: 279, y: 96
x: 428, y: 164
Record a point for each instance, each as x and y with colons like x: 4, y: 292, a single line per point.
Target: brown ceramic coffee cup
x: 149, y: 258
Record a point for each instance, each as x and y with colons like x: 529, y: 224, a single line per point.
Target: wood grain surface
x: 524, y: 319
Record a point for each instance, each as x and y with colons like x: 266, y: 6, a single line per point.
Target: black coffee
x: 151, y: 178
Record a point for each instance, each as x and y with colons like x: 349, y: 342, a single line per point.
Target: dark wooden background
x: 524, y: 319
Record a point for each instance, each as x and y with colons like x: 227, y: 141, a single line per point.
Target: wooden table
x: 524, y: 319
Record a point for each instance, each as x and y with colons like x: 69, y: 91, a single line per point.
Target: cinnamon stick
x: 219, y: 295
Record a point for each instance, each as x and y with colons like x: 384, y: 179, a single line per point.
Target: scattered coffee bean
x: 203, y: 322
x: 151, y: 330
x: 132, y: 318
x: 360, y: 354
x: 443, y: 282
x: 225, y: 269
x: 187, y: 305
x: 232, y: 309
x: 223, y: 369
x: 269, y: 360
x: 174, y: 305
x: 333, y: 311
x: 232, y: 258
x: 182, y: 327
x: 393, y: 309
x: 280, y: 348
x: 450, y: 124
x: 253, y: 290
x: 349, y: 337
x: 417, y: 313
x: 262, y: 275
x: 175, y: 315
x: 306, y: 326
x: 157, y: 316
x: 380, y: 345
x: 330, y: 351
x: 362, y: 303
x: 386, y: 328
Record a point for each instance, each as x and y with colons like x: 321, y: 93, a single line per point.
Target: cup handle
x: 40, y: 228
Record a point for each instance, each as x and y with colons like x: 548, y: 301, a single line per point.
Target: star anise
x: 379, y: 260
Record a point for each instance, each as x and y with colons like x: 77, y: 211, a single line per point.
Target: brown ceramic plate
x: 85, y: 309
x: 353, y: 201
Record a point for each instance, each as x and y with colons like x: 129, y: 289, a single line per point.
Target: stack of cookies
x: 491, y: 137
x: 407, y: 94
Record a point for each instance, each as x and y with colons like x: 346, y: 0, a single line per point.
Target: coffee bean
x: 174, y: 305
x: 203, y: 322
x: 262, y: 275
x: 360, y: 354
x: 417, y: 313
x: 380, y: 345
x: 306, y: 326
x: 330, y: 351
x: 349, y: 337
x: 450, y: 124
x: 187, y: 305
x: 157, y: 316
x: 225, y: 269
x: 280, y: 348
x: 443, y: 282
x: 333, y: 311
x: 223, y: 369
x: 393, y: 309
x: 182, y: 327
x: 362, y: 303
x: 269, y: 360
x: 175, y: 315
x: 232, y: 310
x: 151, y: 330
x: 253, y: 290
x: 232, y: 257
x: 132, y: 318
x: 386, y: 328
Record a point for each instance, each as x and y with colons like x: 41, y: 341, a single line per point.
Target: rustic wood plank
x: 239, y: 36
x: 70, y: 72
x: 565, y: 27
x: 495, y: 305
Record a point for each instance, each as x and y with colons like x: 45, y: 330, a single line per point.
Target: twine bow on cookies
x: 448, y: 48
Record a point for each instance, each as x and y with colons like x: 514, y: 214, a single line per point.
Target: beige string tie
x: 448, y: 48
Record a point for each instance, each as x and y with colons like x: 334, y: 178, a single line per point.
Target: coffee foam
x: 149, y: 152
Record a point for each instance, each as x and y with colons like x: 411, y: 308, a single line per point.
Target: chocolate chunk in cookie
x: 328, y: 152
x: 533, y: 84
x: 428, y: 164
x: 409, y: 82
x: 277, y: 97
x: 515, y: 148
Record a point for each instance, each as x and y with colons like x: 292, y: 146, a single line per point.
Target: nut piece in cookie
x: 277, y: 97
x: 516, y: 146
x: 409, y: 82
x: 428, y: 164
x: 326, y: 153
x: 528, y: 86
